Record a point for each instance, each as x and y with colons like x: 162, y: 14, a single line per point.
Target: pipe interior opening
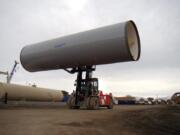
x: 133, y: 40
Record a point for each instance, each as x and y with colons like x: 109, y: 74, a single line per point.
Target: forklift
x: 87, y: 92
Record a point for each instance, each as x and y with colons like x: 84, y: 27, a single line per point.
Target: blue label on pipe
x: 60, y: 45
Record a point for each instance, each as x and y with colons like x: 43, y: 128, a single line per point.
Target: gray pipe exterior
x: 27, y: 93
x: 115, y: 43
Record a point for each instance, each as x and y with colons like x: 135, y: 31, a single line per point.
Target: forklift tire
x: 93, y: 103
x: 110, y: 106
x: 71, y: 102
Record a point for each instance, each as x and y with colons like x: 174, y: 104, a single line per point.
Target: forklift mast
x: 85, y: 87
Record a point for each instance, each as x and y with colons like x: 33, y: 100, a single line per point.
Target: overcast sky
x: 157, y: 73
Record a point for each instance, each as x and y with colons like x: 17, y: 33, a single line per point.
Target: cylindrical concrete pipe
x: 28, y: 93
x: 115, y: 43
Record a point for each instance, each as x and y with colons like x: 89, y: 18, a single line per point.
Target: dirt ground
x: 59, y: 120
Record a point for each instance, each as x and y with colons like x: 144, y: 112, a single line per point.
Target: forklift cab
x: 89, y: 87
x: 86, y: 93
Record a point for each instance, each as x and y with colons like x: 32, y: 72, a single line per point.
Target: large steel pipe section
x: 115, y: 43
x: 27, y: 93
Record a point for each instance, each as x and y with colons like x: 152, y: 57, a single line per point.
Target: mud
x: 59, y: 120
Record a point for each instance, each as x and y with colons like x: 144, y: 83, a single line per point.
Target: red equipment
x: 105, y: 100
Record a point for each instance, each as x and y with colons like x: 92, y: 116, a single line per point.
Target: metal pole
x: 9, y: 77
x: 78, y: 86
